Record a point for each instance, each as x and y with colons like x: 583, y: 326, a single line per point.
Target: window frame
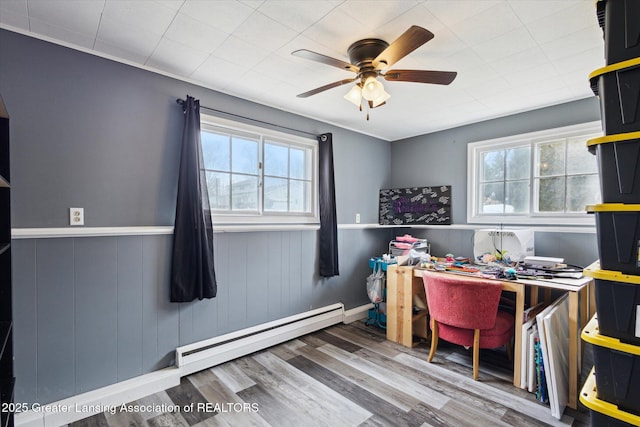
x: 260, y: 216
x: 531, y: 139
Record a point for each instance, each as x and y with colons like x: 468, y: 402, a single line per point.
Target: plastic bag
x: 375, y: 284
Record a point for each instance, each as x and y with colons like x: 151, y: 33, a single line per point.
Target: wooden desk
x: 402, y: 324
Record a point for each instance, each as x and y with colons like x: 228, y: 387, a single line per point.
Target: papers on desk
x: 545, y: 367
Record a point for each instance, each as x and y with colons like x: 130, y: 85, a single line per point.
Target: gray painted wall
x: 440, y: 158
x: 93, y: 133
x: 94, y: 311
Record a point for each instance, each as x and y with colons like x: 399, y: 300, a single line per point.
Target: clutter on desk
x: 544, y: 262
x: 502, y: 245
x: 414, y: 257
x: 522, y: 271
x: 402, y: 245
x: 532, y: 268
x: 548, y: 268
x: 449, y: 262
x: 409, y: 250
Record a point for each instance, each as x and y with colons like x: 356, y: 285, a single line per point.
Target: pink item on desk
x: 403, y: 245
x: 407, y: 238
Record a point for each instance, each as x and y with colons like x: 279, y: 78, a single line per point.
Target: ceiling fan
x: 369, y: 60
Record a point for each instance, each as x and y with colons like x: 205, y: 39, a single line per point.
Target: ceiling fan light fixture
x: 372, y: 88
x: 354, y: 95
x: 380, y: 99
x: 368, y: 58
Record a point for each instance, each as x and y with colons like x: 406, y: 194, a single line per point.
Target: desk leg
x: 590, y: 295
x: 592, y: 301
x: 517, y: 351
x: 533, y: 298
x: 573, y: 349
x: 584, y: 306
x: 400, y: 305
x: 392, y: 303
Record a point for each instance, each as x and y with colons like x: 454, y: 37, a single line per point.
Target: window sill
x: 583, y: 220
x: 250, y: 228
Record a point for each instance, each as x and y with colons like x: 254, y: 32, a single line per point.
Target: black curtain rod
x: 181, y: 102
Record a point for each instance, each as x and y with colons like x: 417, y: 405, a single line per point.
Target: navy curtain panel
x: 328, y: 220
x: 192, y: 270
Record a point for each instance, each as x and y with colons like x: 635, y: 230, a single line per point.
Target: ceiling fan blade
x: 326, y: 87
x: 409, y: 41
x: 323, y: 59
x: 421, y: 76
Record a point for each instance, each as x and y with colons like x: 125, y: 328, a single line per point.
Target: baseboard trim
x: 357, y: 313
x: 93, y: 402
x: 84, y: 405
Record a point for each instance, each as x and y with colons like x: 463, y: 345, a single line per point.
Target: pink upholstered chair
x: 464, y: 311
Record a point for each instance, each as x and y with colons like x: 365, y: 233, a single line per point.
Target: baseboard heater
x: 208, y: 353
x: 192, y: 358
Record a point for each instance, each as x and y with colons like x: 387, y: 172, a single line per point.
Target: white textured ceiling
x: 510, y: 55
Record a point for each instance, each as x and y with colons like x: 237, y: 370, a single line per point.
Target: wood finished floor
x: 347, y: 375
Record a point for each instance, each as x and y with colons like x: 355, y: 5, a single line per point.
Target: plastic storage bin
x: 617, y: 369
x: 618, y: 157
x: 618, y: 235
x: 616, y: 87
x: 604, y: 414
x: 618, y: 302
x: 619, y: 21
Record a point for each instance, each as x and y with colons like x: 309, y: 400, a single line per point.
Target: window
x: 545, y: 177
x: 256, y: 175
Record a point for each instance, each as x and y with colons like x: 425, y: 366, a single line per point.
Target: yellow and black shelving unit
x: 612, y: 389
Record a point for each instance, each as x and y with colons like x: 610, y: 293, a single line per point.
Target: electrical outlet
x: 76, y: 216
x: 357, y: 218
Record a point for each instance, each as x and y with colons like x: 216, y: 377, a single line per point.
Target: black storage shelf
x: 5, y: 334
x: 7, y: 379
x: 6, y: 395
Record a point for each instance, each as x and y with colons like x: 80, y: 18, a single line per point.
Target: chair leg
x: 476, y: 352
x: 509, y: 348
x: 434, y: 339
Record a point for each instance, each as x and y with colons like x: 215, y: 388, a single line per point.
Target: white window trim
x: 261, y: 218
x: 527, y: 138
